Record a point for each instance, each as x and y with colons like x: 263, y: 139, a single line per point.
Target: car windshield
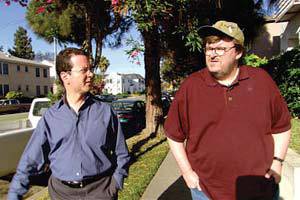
x: 40, y: 108
x: 124, y: 106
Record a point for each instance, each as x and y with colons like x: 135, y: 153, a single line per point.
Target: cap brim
x: 205, y: 31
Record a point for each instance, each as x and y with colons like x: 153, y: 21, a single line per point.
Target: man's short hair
x: 63, y: 60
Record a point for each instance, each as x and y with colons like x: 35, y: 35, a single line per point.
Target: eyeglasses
x: 220, y: 51
x: 84, y: 70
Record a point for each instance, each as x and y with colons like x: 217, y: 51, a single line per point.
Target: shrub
x: 254, y: 60
x: 14, y: 95
x: 285, y: 70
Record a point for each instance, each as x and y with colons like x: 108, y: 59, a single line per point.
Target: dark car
x: 107, y: 97
x: 131, y: 114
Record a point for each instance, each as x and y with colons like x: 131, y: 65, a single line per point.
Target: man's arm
x: 121, y: 152
x: 31, y: 162
x: 190, y: 177
x: 281, y: 143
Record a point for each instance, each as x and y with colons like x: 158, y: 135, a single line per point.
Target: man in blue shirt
x: 79, y: 137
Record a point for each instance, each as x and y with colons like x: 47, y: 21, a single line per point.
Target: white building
x: 116, y: 83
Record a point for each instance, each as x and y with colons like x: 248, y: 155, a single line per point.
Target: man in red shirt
x: 229, y: 127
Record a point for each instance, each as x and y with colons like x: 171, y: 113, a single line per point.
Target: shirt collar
x: 210, y: 81
x: 63, y: 101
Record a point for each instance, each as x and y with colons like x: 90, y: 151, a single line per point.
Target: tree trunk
x: 98, y: 53
x: 88, y: 37
x: 154, y: 117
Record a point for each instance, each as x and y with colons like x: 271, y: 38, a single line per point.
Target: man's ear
x: 239, y: 55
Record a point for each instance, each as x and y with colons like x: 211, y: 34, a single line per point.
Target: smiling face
x: 222, y: 58
x: 79, y: 79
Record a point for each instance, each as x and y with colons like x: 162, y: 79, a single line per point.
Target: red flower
x: 134, y: 53
x: 138, y: 63
x: 49, y: 1
x: 114, y: 2
x: 40, y: 10
x: 7, y: 3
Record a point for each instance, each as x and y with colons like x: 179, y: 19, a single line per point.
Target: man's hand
x: 191, y: 179
x: 275, y: 171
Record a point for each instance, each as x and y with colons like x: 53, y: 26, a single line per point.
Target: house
x: 30, y: 77
x: 282, y: 32
x: 116, y: 83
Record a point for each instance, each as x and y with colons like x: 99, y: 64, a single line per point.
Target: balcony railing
x: 281, y: 7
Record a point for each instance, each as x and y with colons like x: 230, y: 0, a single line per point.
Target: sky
x: 13, y: 16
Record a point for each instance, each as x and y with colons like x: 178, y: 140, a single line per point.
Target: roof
x: 132, y: 76
x: 286, y: 9
x: 13, y: 59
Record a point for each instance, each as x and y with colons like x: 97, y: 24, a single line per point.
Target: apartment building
x: 282, y: 32
x: 116, y: 83
x: 30, y: 77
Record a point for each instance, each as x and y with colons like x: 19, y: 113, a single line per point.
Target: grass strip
x: 295, y: 138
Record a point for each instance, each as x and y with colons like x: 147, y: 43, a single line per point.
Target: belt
x: 86, y: 181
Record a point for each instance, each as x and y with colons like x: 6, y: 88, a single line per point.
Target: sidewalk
x: 167, y: 184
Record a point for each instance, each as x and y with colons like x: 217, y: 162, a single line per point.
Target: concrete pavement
x: 167, y: 183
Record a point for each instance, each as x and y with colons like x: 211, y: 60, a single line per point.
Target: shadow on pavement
x: 178, y: 190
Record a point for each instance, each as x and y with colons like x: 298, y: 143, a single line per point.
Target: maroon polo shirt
x: 228, y: 130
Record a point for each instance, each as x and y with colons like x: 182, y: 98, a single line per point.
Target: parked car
x: 37, y: 109
x: 131, y: 113
x: 107, y: 97
x: 13, y: 105
x: 12, y: 143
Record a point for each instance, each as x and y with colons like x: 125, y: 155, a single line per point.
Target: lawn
x: 295, y: 139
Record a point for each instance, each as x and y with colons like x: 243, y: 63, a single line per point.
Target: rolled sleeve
x: 176, y: 124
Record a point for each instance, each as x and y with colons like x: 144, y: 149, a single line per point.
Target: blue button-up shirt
x: 77, y: 145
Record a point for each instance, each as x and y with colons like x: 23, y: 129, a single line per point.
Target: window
x: 1, y: 91
x: 18, y: 68
x: 5, y: 68
x: 37, y: 72
x: 0, y: 68
x: 38, y: 90
x: 19, y: 87
x: 45, y: 73
x: 45, y: 89
x: 27, y: 88
x: 5, y: 89
x: 26, y: 69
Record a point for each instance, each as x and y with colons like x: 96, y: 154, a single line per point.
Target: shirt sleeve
x: 31, y: 162
x: 176, y: 124
x: 121, y: 152
x: 281, y: 118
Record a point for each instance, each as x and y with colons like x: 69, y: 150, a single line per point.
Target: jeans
x: 277, y: 192
x: 198, y: 195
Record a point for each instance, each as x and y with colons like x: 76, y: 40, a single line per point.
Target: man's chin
x: 217, y: 75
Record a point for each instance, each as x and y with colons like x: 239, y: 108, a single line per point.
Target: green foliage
x: 59, y: 93
x: 122, y: 95
x: 22, y: 45
x: 14, y: 95
x: 104, y: 64
x: 285, y: 70
x: 254, y: 60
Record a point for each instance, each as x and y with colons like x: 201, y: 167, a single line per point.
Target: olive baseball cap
x: 230, y: 29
